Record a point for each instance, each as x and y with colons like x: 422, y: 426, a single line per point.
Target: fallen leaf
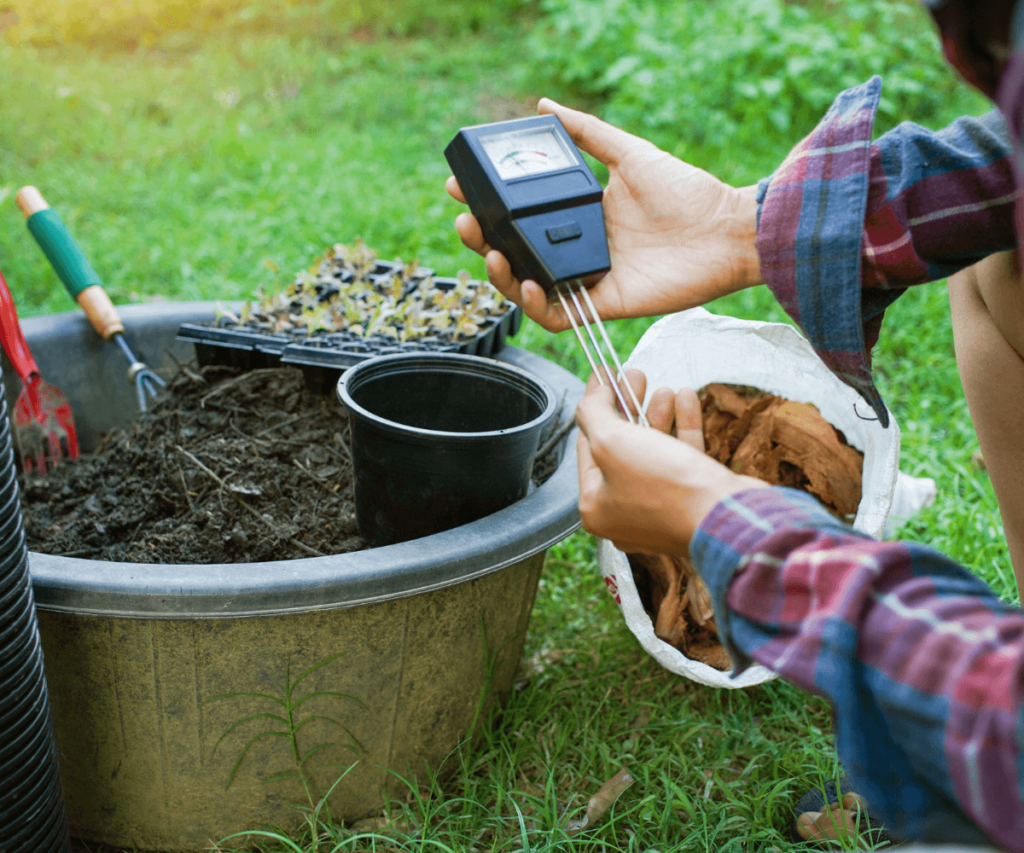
x: 527, y: 787
x: 643, y: 719
x: 600, y: 804
x: 370, y: 824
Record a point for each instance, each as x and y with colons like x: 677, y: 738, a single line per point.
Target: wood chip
x: 779, y: 441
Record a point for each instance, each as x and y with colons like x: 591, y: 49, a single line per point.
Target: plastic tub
x: 136, y: 654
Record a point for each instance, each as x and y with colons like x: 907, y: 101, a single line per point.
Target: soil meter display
x: 516, y: 153
x: 536, y: 199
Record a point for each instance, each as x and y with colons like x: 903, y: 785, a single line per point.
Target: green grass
x: 203, y: 164
x: 917, y: 375
x: 186, y: 176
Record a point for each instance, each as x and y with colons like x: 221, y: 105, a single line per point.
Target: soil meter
x: 539, y: 204
x: 536, y: 199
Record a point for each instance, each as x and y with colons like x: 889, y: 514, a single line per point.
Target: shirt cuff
x: 734, y: 530
x: 762, y: 191
x: 809, y: 234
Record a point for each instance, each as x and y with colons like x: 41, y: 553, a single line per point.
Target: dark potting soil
x: 226, y: 467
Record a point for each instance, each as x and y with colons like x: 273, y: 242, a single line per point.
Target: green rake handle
x: 69, y: 262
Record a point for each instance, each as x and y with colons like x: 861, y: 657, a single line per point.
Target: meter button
x: 561, y: 233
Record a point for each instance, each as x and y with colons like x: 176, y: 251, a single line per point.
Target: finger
x: 584, y: 458
x: 590, y: 475
x: 661, y: 410
x: 596, y: 407
x: 541, y: 309
x: 638, y: 381
x: 599, y: 382
x: 499, y: 273
x: 528, y: 295
x: 599, y: 139
x: 689, y: 426
x: 468, y: 228
x: 454, y: 190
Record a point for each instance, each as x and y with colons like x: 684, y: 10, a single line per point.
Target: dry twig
x: 224, y: 486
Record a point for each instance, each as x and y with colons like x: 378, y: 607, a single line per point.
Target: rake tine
x: 139, y: 375
x: 145, y: 382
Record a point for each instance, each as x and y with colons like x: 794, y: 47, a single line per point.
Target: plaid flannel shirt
x: 922, y: 663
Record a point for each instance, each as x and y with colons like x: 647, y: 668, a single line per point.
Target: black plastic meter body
x: 535, y: 197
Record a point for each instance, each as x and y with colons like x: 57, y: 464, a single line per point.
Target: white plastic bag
x: 911, y: 495
x: 696, y: 347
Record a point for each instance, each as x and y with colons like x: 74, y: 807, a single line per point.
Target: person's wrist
x: 743, y: 224
x: 716, y: 487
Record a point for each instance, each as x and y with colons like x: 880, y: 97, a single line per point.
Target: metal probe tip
x: 573, y: 307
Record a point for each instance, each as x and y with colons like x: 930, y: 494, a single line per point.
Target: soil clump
x: 780, y: 441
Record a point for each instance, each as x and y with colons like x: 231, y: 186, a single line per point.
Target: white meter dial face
x: 527, y: 152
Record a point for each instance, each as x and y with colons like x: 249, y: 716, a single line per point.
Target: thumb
x: 590, y: 476
x: 598, y: 138
x: 595, y: 409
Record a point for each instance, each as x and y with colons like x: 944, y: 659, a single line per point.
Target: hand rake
x: 84, y: 285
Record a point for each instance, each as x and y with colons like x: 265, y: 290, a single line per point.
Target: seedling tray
x: 323, y: 354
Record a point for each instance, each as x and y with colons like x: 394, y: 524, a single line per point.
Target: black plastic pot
x: 135, y: 652
x: 440, y: 440
x: 32, y: 817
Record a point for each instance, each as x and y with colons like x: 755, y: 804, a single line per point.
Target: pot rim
x: 444, y: 362
x: 238, y: 590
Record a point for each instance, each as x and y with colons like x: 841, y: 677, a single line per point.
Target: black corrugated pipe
x: 32, y: 817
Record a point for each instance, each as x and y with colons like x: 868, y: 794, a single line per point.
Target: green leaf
x: 252, y: 742
x: 337, y: 695
x: 622, y: 67
x: 245, y: 720
x: 274, y: 836
x: 747, y: 90
x: 310, y: 753
x: 780, y: 119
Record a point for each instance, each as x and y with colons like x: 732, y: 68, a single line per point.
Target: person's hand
x: 678, y: 237
x: 643, y: 488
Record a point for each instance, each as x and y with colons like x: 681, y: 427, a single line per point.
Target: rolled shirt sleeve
x: 921, y: 662
x: 846, y: 225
